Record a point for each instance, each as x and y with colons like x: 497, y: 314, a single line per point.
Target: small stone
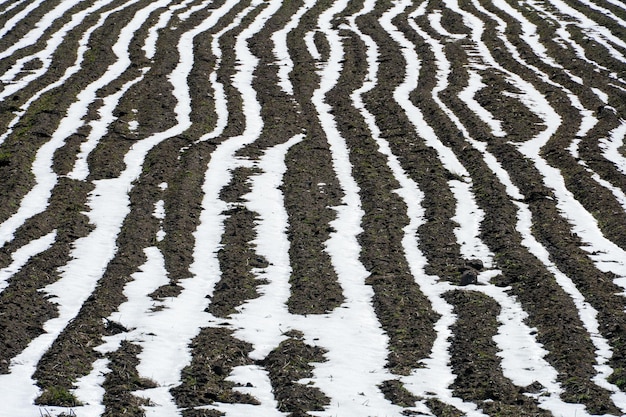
x: 469, y: 276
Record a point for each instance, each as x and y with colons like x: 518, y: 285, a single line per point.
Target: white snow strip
x: 539, y: 105
x: 99, y: 128
x: 309, y: 40
x: 257, y: 317
x: 11, y: 6
x: 434, y: 19
x: 586, y: 312
x: 281, y: 51
x: 612, y: 146
x: 469, y: 216
x: 355, y: 342
x: 23, y: 255
x: 149, y: 46
x: 12, y: 22
x: 252, y: 380
x: 351, y: 335
x: 436, y: 376
x: 90, y: 390
x: 193, y: 9
x: 592, y: 29
x: 164, y: 338
x: 474, y: 85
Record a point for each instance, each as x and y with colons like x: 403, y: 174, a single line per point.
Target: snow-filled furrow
x: 263, y: 320
x: 564, y: 38
x: 586, y: 312
x: 149, y: 46
x: 522, y: 368
x: 412, y: 196
x: 592, y: 29
x: 22, y: 255
x: 99, y: 129
x: 611, y: 147
x: 606, y: 255
x: 38, y: 29
x: 160, y: 334
x: 531, y: 37
x: 281, y: 51
x: 467, y: 95
x: 591, y: 5
x: 36, y: 200
x: 588, y: 120
x: 10, y: 24
x: 6, y: 8
x: 161, y: 360
x: 355, y: 345
x: 69, y: 72
x: 44, y: 56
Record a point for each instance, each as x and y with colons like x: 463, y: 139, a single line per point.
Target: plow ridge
x: 322, y: 208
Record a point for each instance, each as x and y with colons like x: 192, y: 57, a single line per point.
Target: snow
x: 24, y: 254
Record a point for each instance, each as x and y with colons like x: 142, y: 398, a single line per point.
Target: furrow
x: 532, y: 249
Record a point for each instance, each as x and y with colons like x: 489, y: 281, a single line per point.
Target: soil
x: 311, y: 190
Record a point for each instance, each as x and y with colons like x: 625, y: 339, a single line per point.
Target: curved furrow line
x: 590, y: 323
x: 63, y: 214
x: 16, y: 18
x: 36, y: 200
x: 70, y: 71
x: 353, y: 326
x: 597, y: 324
x: 391, y: 199
x: 205, y: 269
x: 133, y: 240
x: 437, y: 369
x: 469, y: 221
x: 600, y: 16
x: 38, y: 28
x: 311, y: 187
x: 106, y: 192
x: 98, y: 128
x: 569, y: 35
x: 581, y: 220
x: 584, y: 148
x: 215, y: 207
x: 42, y: 59
x: 281, y: 48
x: 588, y: 28
x: 6, y: 8
x: 443, y: 77
x: 23, y: 255
x: 589, y: 119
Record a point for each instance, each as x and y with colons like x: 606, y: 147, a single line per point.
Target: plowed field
x: 312, y: 208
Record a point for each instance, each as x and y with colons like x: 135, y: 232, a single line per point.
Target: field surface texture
x: 312, y: 208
